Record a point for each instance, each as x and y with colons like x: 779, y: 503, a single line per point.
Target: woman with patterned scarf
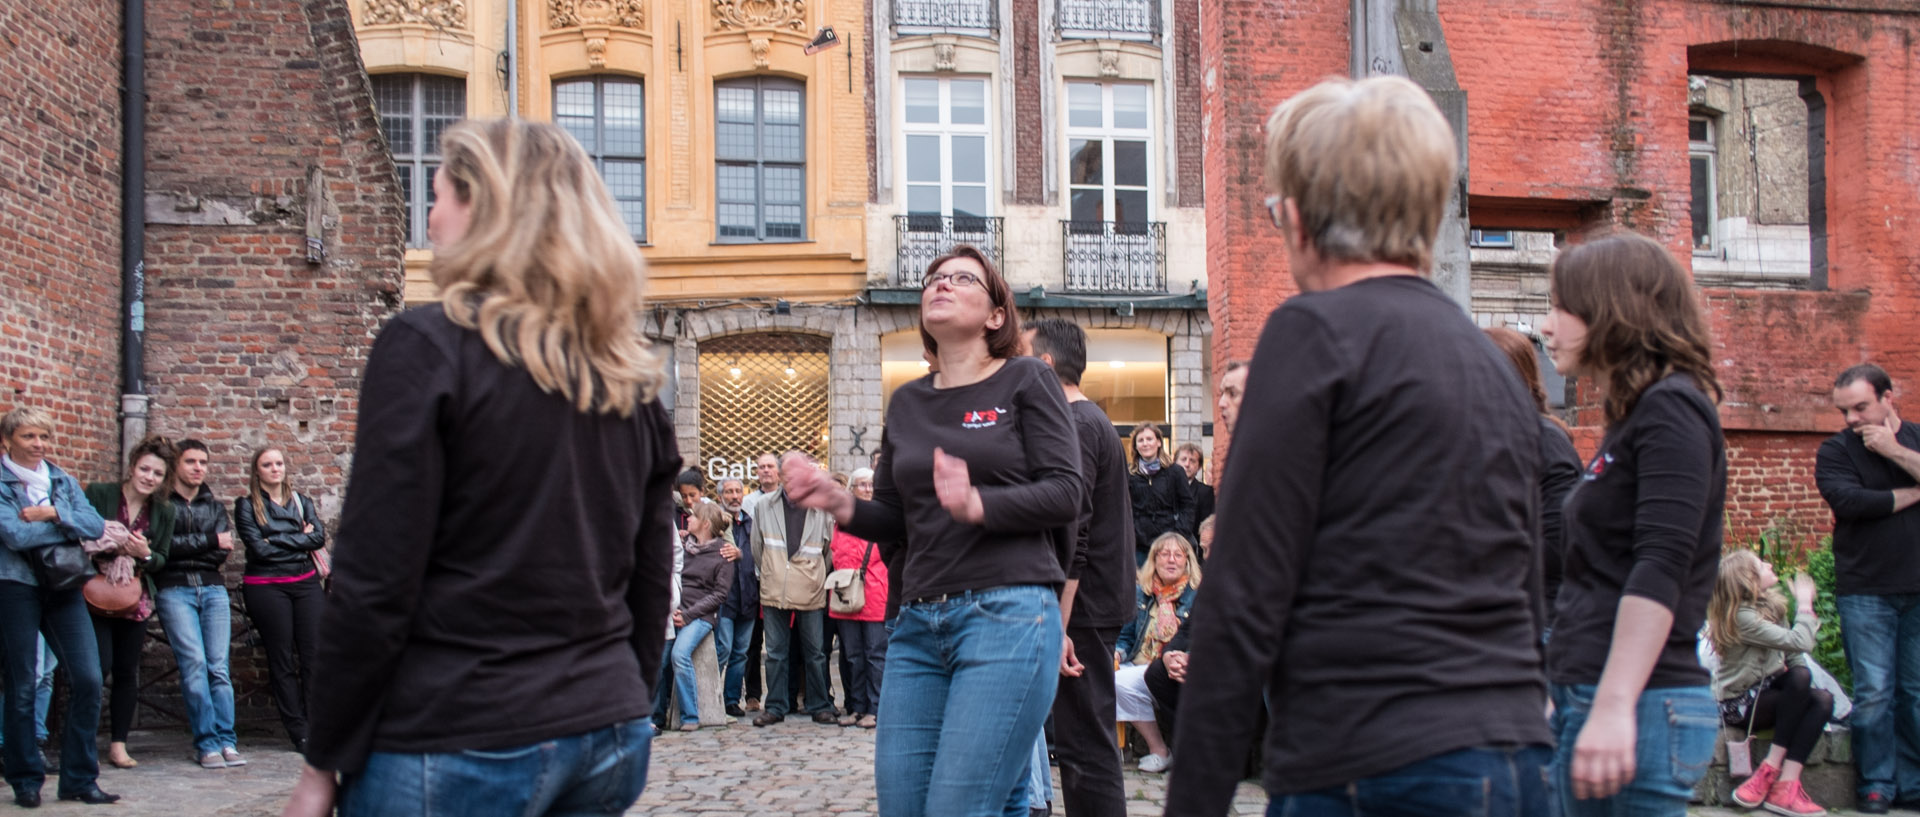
x: 1167, y: 584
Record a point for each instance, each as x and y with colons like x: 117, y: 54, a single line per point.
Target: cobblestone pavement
x: 793, y: 768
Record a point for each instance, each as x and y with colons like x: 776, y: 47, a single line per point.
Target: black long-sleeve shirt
x: 1559, y: 472
x: 1375, y: 567
x: 1874, y: 548
x: 1162, y: 503
x: 1018, y: 440
x: 502, y: 564
x: 1644, y: 521
x: 1103, y: 559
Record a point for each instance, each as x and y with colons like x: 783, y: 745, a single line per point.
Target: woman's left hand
x: 313, y: 795
x: 955, y: 489
x: 1603, y: 759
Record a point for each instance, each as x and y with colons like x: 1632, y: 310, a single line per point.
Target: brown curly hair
x: 1643, y: 319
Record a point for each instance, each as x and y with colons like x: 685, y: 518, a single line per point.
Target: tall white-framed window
x: 1109, y: 154
x: 945, y: 133
x: 1702, y: 156
x: 607, y: 115
x: 414, y: 110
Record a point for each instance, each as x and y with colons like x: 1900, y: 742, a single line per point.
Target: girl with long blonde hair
x: 503, y: 561
x: 282, y: 532
x: 1763, y: 680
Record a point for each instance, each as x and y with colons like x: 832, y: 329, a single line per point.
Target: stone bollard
x: 706, y: 668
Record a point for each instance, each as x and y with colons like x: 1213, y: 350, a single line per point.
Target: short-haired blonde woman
x: 1377, y: 511
x: 1643, y: 532
x: 1162, y: 500
x: 502, y: 565
x: 979, y: 474
x: 281, y: 530
x: 42, y: 507
x: 1167, y: 583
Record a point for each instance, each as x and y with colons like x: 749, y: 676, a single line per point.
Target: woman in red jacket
x: 863, y: 635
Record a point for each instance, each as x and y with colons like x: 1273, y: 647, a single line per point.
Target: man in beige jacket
x: 792, y: 552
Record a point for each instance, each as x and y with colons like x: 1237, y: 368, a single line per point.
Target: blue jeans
x: 27, y: 613
x: 42, y: 692
x: 731, y: 639
x: 969, y: 682
x: 1675, y: 729
x: 1882, y: 636
x: 600, y: 772
x: 779, y: 638
x: 863, y: 662
x: 1483, y: 781
x: 1038, y: 788
x: 199, y: 625
x: 686, y: 682
x: 663, y: 689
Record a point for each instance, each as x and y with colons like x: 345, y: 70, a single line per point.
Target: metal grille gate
x: 766, y: 391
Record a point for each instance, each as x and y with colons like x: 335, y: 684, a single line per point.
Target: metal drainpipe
x: 133, y: 225
x: 513, y: 58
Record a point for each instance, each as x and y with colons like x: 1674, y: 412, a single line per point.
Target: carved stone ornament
x: 441, y: 13
x: 597, y: 52
x: 1109, y: 62
x: 759, y: 46
x: 577, y: 13
x: 943, y: 57
x: 751, y: 14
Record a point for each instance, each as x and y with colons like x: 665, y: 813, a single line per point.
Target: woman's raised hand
x: 809, y: 487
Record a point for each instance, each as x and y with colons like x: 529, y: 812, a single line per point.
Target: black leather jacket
x: 278, y: 547
x: 195, y: 557
x: 1161, y: 503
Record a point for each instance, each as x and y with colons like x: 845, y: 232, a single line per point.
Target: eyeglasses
x: 1273, y: 209
x: 954, y: 279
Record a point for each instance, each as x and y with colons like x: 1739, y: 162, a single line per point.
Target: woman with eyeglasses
x: 979, y: 469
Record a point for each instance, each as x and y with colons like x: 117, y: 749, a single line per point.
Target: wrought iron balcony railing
x: 920, y: 238
x: 940, y: 16
x: 1108, y: 256
x: 1109, y: 19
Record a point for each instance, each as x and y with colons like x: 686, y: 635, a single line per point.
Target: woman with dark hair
x: 281, y: 530
x: 979, y: 474
x: 502, y: 565
x: 1559, y: 462
x: 42, y: 507
x: 1642, y: 531
x: 137, y: 503
x: 1162, y: 502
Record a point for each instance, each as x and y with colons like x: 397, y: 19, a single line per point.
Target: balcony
x: 1109, y: 19
x: 922, y: 237
x: 975, y: 17
x: 1107, y: 256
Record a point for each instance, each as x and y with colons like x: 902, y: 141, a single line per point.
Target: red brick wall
x: 1253, y: 55
x: 60, y: 223
x: 1770, y: 487
x: 1029, y: 168
x: 249, y: 344
x: 1188, y: 136
x: 1592, y: 137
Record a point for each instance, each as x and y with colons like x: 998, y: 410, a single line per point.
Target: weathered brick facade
x: 59, y: 222
x: 1592, y: 136
x: 247, y: 343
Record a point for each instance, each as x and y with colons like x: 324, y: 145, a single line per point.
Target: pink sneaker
x: 1754, y: 792
x: 1788, y: 798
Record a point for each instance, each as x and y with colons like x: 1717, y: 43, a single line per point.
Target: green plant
x: 1789, y: 552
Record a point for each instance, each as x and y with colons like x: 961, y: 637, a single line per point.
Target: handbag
x: 1740, y: 752
x: 847, y: 589
x: 322, y: 559
x: 60, y: 567
x: 108, y: 598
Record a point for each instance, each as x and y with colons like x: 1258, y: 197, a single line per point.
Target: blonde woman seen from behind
x: 502, y: 563
x: 1763, y: 681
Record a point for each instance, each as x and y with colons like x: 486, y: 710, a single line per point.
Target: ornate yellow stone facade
x: 678, y: 50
